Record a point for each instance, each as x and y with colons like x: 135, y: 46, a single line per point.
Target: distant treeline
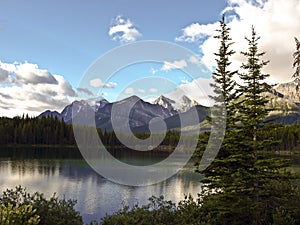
x: 27, y: 130
x: 288, y: 136
x: 52, y: 131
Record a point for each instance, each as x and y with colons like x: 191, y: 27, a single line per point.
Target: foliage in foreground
x: 186, y: 212
x: 36, y: 209
x: 245, y: 184
x: 158, y: 211
x: 18, y: 215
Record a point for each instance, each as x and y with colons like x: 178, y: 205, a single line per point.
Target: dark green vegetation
x: 24, y: 214
x: 246, y: 184
x: 159, y: 211
x: 296, y: 64
x: 224, y: 86
x: 17, y: 207
x: 51, y: 131
x: 26, y: 130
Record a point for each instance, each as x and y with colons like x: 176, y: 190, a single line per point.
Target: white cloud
x: 184, y: 81
x: 153, y: 90
x: 85, y: 90
x: 5, y: 70
x: 198, y: 90
x: 195, y: 60
x: 123, y: 30
x: 3, y: 74
x: 25, y: 73
x: 63, y: 87
x: 142, y: 91
x: 30, y: 73
x: 132, y: 91
x: 129, y: 91
x: 180, y: 64
x: 153, y: 71
x: 28, y: 89
x: 275, y: 21
x: 196, y: 32
x: 98, y: 83
x: 110, y: 85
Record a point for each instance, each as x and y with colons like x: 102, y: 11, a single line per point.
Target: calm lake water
x: 64, y: 172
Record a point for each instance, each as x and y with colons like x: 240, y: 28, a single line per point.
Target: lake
x: 64, y: 172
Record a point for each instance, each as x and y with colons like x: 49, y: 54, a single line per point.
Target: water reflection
x: 96, y: 196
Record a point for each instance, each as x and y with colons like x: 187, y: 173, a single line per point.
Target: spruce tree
x: 253, y: 105
x: 296, y: 64
x: 217, y: 196
x: 224, y: 86
x: 271, y: 186
x: 246, y: 184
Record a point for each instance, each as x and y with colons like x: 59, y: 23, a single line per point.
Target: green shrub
x: 18, y: 215
x: 282, y: 217
x: 158, y: 212
x: 51, y: 211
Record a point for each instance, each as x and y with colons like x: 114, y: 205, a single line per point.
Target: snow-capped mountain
x: 72, y: 110
x: 166, y: 103
x: 283, y: 100
x: 100, y: 104
x: 140, y: 114
x: 181, y: 105
x: 97, y: 103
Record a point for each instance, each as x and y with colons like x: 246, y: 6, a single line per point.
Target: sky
x: 48, y: 48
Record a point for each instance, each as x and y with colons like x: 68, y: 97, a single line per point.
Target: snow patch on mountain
x: 182, y: 104
x: 164, y: 102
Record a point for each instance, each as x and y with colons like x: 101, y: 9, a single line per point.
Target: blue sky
x: 65, y: 37
x: 47, y: 46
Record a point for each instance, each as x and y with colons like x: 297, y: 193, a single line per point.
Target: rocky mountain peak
x: 164, y: 102
x: 289, y: 92
x: 181, y: 104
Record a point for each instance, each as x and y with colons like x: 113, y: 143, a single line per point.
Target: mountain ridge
x: 283, y: 99
x: 140, y: 114
x: 182, y: 104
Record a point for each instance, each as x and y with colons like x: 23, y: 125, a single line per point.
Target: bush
x: 159, y: 212
x: 282, y: 217
x: 50, y: 211
x: 18, y: 215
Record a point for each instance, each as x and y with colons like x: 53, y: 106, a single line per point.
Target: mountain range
x: 284, y: 99
x: 140, y: 114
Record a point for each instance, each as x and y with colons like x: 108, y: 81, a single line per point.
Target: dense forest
x: 27, y: 130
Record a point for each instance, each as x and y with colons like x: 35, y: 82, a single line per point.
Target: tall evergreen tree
x: 245, y: 184
x: 253, y: 105
x: 265, y: 173
x: 219, y: 182
x: 224, y: 86
x: 296, y: 64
